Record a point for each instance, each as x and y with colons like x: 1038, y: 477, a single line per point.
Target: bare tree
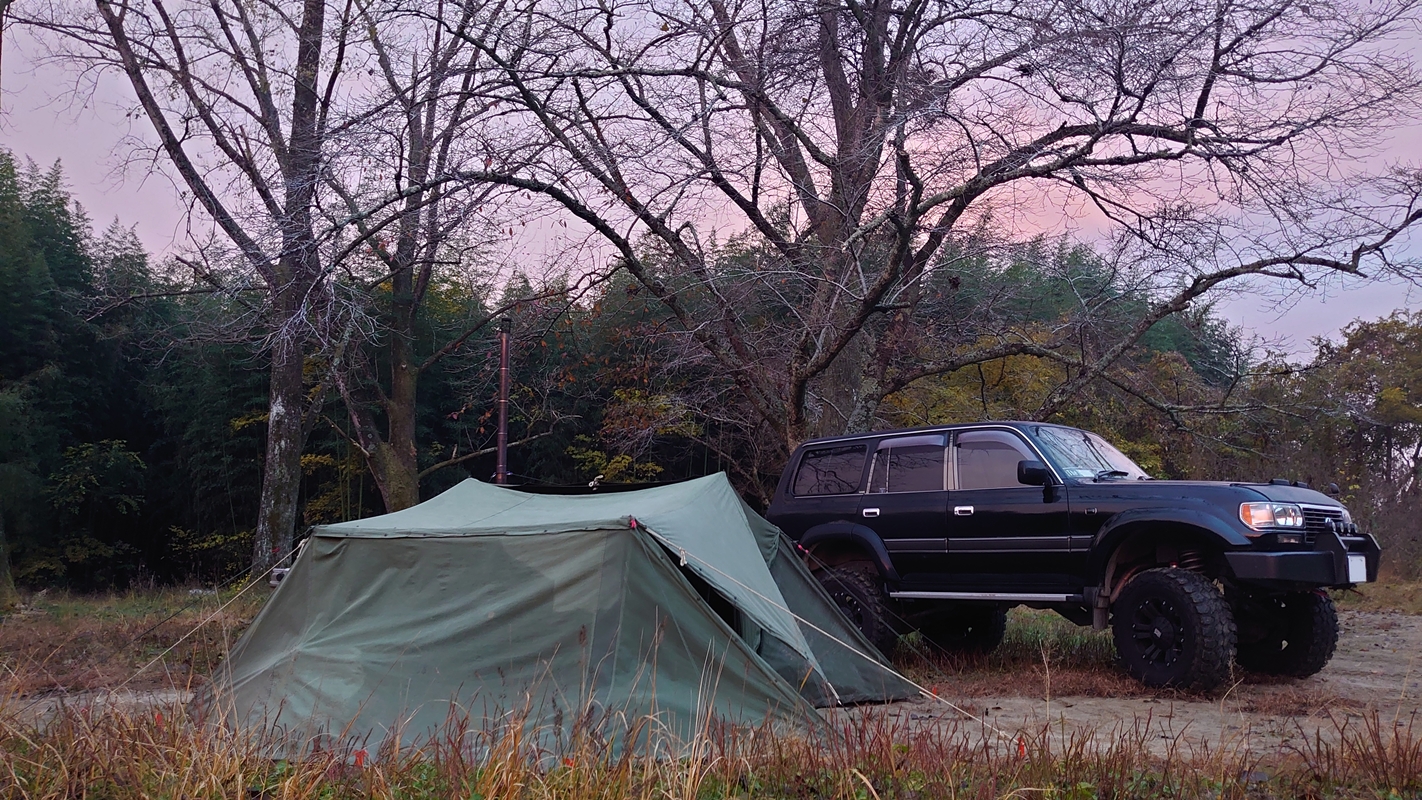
x: 428, y: 95
x: 346, y: 204
x: 235, y: 97
x: 865, y: 148
x: 433, y: 91
x: 259, y: 109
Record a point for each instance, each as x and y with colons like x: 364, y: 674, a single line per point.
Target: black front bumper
x: 1325, y: 565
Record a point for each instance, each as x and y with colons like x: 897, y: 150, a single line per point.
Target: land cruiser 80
x: 942, y: 529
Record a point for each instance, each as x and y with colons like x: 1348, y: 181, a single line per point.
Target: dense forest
x: 134, y: 394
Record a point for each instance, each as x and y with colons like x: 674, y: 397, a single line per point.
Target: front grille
x: 1317, y: 520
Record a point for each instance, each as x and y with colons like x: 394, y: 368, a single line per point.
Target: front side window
x: 830, y: 470
x: 988, y: 459
x: 916, y: 464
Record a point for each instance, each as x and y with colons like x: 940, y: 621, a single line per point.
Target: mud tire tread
x: 1314, y: 621
x: 1209, y: 657
x: 860, y: 583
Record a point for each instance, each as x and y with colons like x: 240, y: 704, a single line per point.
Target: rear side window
x: 830, y: 470
x: 916, y: 464
x: 988, y: 459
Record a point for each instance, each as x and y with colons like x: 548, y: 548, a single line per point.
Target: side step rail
x: 1003, y: 596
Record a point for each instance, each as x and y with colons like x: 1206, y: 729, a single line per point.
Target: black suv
x: 942, y: 529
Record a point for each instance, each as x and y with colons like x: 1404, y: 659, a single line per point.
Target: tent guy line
x: 922, y: 690
x: 195, y: 628
x: 211, y: 617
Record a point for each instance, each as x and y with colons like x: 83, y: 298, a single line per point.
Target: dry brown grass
x: 1284, y: 697
x: 92, y: 748
x: 59, y: 642
x: 148, y: 752
x: 1372, y: 749
x: 1248, y: 693
x: 1041, y: 655
x: 1386, y: 595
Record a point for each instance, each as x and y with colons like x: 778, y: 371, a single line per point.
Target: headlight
x: 1261, y: 516
x: 1347, y: 517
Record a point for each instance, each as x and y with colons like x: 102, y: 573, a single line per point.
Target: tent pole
x: 501, y: 469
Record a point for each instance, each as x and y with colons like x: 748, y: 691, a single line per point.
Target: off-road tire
x: 859, y: 593
x: 1172, y: 627
x: 1302, y: 635
x: 967, y: 629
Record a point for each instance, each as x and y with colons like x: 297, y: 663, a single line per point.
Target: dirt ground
x: 1377, y: 668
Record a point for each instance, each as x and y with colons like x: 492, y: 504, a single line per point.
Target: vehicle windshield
x: 1082, y: 454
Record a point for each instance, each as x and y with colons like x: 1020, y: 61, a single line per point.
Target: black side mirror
x: 1032, y: 473
x: 1333, y: 489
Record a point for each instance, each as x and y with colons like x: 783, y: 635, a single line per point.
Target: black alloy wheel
x: 858, y: 592
x: 1295, y: 634
x: 1159, y: 632
x: 1173, y: 628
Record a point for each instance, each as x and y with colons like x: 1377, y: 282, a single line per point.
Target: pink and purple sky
x: 38, y: 121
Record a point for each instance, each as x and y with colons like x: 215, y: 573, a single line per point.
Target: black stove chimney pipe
x: 501, y: 470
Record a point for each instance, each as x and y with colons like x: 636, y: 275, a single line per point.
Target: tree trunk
x: 400, y: 464
x: 281, y: 473
x: 399, y: 483
x: 866, y: 404
x: 9, y: 598
x: 391, y: 459
x: 399, y: 459
x: 298, y: 270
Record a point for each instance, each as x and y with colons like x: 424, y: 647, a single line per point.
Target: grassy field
x: 59, y: 642
x: 76, y: 644
x: 1041, y: 654
x: 161, y: 752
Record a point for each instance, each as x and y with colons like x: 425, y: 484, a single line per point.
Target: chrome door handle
x: 871, y: 512
x: 963, y: 511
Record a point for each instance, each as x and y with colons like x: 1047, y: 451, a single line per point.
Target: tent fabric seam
x: 615, y: 524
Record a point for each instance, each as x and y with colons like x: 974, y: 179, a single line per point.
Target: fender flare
x: 1104, y: 544
x: 863, y: 538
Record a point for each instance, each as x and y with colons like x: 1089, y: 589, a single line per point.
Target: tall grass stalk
x: 120, y: 752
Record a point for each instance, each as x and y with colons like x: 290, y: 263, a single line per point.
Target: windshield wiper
x: 1111, y: 473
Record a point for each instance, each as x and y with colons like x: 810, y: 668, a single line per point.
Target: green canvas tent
x: 676, y: 604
